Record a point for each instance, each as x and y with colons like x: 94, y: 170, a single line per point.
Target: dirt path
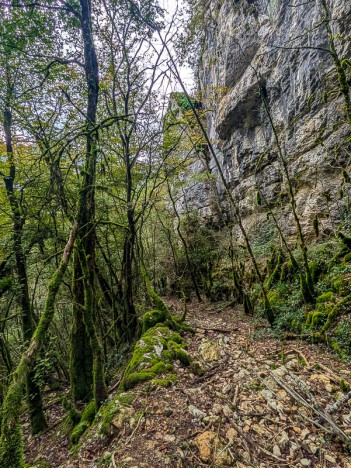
x: 240, y: 412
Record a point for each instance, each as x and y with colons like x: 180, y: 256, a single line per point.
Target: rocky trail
x: 260, y: 403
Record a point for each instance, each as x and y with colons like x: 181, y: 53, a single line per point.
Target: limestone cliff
x: 283, y: 47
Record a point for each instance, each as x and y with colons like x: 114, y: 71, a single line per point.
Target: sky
x: 185, y: 71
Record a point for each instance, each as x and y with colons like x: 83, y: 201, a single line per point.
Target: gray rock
x: 197, y: 413
x: 240, y: 38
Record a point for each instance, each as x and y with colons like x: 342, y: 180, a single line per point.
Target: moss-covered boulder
x: 117, y: 413
x: 152, y: 318
x: 153, y: 356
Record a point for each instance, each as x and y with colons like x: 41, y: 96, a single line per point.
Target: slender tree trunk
x: 36, y: 413
x: 86, y: 238
x: 81, y: 358
x: 129, y: 322
x: 11, y: 441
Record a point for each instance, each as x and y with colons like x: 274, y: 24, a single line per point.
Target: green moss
x: 161, y: 368
x: 11, y: 447
x: 315, y: 319
x: 78, y: 431
x: 73, y: 415
x: 276, y: 272
x: 336, y: 311
x: 126, y: 399
x: 163, y: 382
x: 328, y: 296
x: 152, y: 318
x: 336, y: 348
x: 110, y: 410
x: 153, y: 355
x: 135, y: 378
x: 161, y: 314
x: 86, y: 419
x: 183, y: 326
x: 341, y: 286
x: 347, y: 257
x: 197, y: 369
x: 177, y: 352
x: 89, y: 412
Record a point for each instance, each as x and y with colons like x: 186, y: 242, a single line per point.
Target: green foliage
x: 342, y: 337
x: 315, y: 320
x: 346, y: 240
x: 342, y: 286
x: 183, y: 102
x: 43, y: 369
x: 5, y: 283
x: 276, y: 271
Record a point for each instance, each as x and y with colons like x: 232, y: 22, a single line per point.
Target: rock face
x: 281, y: 49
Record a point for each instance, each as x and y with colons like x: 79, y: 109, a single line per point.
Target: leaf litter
x: 260, y: 403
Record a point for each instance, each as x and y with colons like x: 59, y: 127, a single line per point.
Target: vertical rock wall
x: 282, y: 46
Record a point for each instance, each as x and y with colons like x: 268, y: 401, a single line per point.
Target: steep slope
x: 254, y: 406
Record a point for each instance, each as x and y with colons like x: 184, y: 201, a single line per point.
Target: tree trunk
x: 86, y: 238
x: 11, y: 442
x: 36, y: 414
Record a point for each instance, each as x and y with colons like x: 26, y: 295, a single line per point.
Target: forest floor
x: 261, y: 403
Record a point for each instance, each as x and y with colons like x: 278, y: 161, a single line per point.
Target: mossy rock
x: 178, y: 353
x: 155, y: 317
x: 152, y: 318
x: 135, y: 378
x: 111, y: 409
x: 89, y: 412
x: 153, y: 356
